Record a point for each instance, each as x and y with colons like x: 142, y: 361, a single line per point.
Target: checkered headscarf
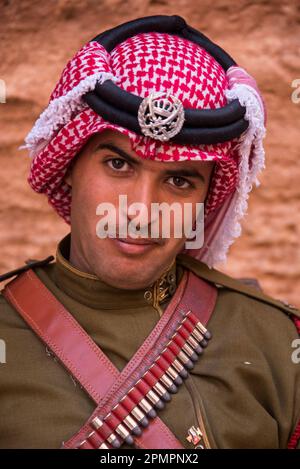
x: 143, y: 63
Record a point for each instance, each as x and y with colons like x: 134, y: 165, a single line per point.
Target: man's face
x: 107, y: 168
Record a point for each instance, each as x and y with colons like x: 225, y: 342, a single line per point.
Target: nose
x: 143, y: 194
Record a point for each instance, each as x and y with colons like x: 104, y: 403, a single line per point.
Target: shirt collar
x: 88, y: 289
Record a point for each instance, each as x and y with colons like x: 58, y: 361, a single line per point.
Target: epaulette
x: 28, y: 265
x: 223, y: 280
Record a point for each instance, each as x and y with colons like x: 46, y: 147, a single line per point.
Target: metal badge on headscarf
x: 161, y: 116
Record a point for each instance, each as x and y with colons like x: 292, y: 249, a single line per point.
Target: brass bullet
x: 136, y: 395
x: 149, y: 394
x: 122, y: 414
x: 156, y: 370
x: 151, y: 379
x: 97, y: 423
x: 103, y: 446
x: 121, y: 430
x: 158, y: 403
x: 132, y: 425
x: 180, y: 368
x: 140, y: 416
x: 133, y: 408
x: 174, y: 375
x: 194, y: 344
x: 182, y: 356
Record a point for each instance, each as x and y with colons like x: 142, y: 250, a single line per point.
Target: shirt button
x: 148, y: 295
x: 171, y: 277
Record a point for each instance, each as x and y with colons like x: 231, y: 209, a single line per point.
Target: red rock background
x: 37, y: 38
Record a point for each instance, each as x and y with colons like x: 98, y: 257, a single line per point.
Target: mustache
x: 141, y: 233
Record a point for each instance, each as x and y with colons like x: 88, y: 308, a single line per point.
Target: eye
x: 117, y: 164
x: 180, y: 182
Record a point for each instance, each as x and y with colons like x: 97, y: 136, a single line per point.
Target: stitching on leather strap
x: 131, y: 370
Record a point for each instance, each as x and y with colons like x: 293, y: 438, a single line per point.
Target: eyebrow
x: 168, y: 172
x: 114, y: 148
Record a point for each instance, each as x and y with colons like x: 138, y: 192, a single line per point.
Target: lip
x: 137, y: 241
x: 134, y: 246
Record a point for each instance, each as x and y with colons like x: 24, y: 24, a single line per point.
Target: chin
x: 129, y: 275
x: 126, y: 270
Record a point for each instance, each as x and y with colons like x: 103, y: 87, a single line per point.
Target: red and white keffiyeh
x: 143, y: 63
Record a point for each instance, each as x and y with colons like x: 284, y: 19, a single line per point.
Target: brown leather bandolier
x: 127, y: 401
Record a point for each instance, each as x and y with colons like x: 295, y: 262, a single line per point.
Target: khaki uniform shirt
x: 244, y: 392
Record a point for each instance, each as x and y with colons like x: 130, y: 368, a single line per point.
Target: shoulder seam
x: 29, y: 264
x: 219, y: 278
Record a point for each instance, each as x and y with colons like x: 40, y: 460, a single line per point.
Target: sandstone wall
x: 37, y: 38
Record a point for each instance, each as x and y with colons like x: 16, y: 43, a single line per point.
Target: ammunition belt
x: 152, y: 391
x: 126, y: 402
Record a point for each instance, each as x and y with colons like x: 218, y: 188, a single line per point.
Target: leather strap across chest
x: 84, y: 359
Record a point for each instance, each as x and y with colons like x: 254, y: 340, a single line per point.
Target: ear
x: 69, y: 172
x: 68, y: 177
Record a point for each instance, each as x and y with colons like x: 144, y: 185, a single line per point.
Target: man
x: 89, y: 336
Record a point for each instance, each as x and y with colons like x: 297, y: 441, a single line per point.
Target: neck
x: 77, y: 259
x: 75, y: 256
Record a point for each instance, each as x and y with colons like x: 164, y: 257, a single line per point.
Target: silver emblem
x: 161, y: 115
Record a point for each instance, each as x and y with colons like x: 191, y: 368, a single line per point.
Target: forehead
x: 122, y: 141
x: 109, y: 135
